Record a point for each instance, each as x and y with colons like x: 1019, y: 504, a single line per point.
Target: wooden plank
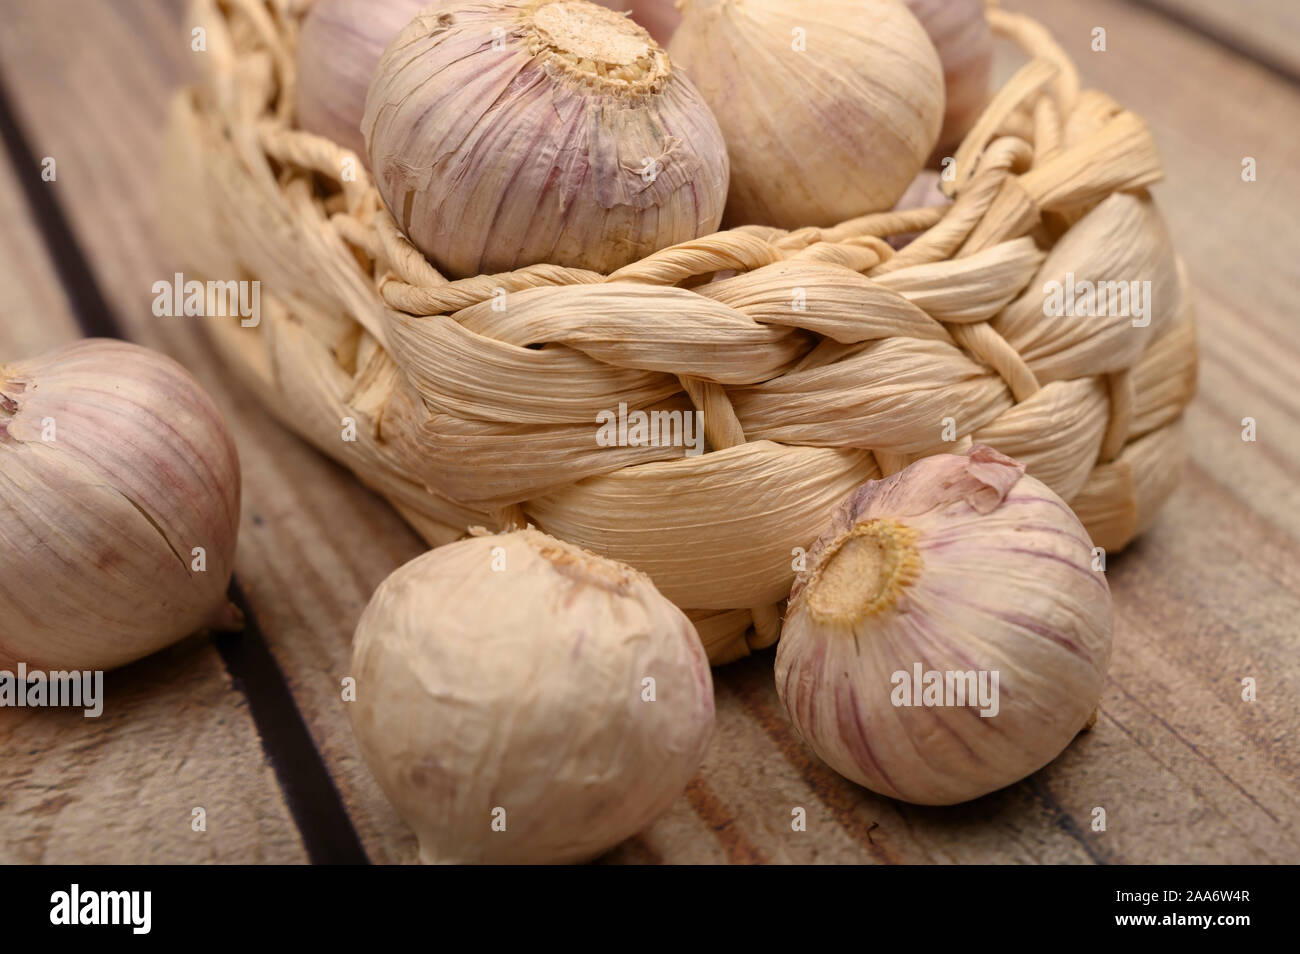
x: 1267, y: 31
x: 1186, y: 772
x: 121, y: 789
x: 313, y: 542
x: 34, y: 312
x: 174, y: 735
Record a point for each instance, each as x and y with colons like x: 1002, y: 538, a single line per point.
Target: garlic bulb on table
x: 949, y: 635
x: 521, y: 700
x: 120, y: 507
x: 829, y: 107
x: 508, y: 133
x: 339, y: 46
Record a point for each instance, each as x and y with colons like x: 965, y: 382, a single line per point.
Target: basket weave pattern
x: 820, y: 358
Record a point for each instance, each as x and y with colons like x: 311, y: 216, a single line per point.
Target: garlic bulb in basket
x: 829, y: 107
x: 340, y: 44
x: 521, y: 700
x: 950, y: 634
x: 961, y: 35
x: 504, y: 134
x: 120, y: 507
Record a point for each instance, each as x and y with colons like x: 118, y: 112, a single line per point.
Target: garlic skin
x: 575, y: 142
x: 659, y: 17
x: 503, y: 679
x: 959, y: 563
x: 923, y: 193
x: 829, y: 107
x: 338, y: 49
x: 115, y: 466
x: 961, y: 35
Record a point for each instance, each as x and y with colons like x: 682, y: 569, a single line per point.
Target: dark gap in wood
x: 315, y: 804
x: 1243, y: 48
x: 79, y: 284
x: 326, y: 828
x: 1063, y: 821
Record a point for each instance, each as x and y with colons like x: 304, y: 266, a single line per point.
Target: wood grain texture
x: 313, y: 543
x: 1264, y: 30
x: 1186, y: 771
x: 174, y: 735
x: 34, y: 312
x: 122, y: 788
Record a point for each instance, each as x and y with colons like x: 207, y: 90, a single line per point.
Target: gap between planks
x: 317, y: 808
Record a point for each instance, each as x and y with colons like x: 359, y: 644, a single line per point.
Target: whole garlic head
x: 829, y: 107
x: 508, y: 133
x: 521, y: 700
x: 120, y: 507
x: 963, y: 567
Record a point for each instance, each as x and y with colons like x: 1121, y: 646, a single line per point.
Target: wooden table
x: 252, y: 727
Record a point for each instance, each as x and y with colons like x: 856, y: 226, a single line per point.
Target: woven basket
x: 820, y: 358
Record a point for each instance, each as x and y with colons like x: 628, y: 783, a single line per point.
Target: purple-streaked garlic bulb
x: 516, y: 132
x: 119, y: 511
x: 339, y: 46
x: 950, y: 633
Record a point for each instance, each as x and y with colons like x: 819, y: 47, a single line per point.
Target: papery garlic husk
x: 505, y: 134
x: 521, y: 700
x: 115, y: 466
x: 957, y: 564
x: 961, y: 35
x: 829, y: 107
x: 338, y: 48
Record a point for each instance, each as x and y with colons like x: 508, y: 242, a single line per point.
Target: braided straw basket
x: 820, y: 358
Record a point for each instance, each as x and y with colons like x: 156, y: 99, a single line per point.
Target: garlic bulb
x: 829, y: 107
x: 508, y: 133
x: 521, y: 700
x: 339, y: 46
x: 949, y: 634
x: 961, y: 35
x: 659, y: 17
x: 923, y: 193
x: 120, y: 507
